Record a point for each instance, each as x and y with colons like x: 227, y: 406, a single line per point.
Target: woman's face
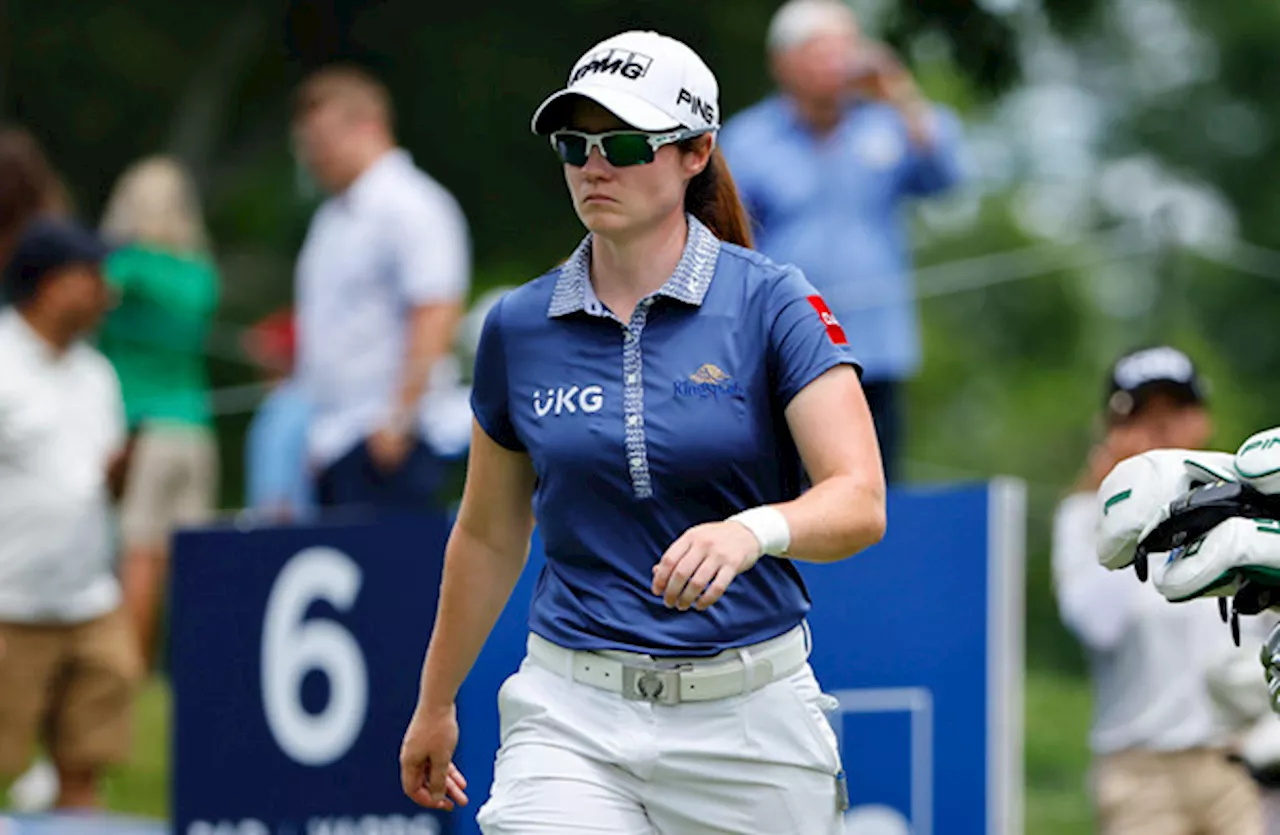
x: 623, y: 201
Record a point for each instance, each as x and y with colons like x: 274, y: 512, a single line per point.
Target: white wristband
x: 770, y: 528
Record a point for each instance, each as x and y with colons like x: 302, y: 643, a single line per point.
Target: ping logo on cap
x: 704, y: 109
x: 624, y: 62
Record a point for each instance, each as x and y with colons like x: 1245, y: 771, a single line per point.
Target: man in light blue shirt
x: 381, y: 281
x: 825, y: 168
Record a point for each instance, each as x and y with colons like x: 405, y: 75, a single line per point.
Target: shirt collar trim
x: 688, y: 284
x: 369, y: 179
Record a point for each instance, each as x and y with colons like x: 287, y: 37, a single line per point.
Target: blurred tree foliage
x: 103, y: 83
x: 1013, y: 374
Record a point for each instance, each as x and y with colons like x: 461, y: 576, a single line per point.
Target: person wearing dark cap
x: 69, y: 665
x: 1160, y: 738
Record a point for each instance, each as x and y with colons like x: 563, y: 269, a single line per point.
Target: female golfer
x: 653, y: 404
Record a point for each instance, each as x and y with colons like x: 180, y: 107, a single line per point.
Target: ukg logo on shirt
x: 709, y: 381
x: 571, y: 400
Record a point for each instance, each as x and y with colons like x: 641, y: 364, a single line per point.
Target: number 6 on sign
x: 291, y: 647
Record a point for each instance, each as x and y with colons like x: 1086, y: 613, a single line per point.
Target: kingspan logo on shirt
x: 571, y: 400
x: 709, y: 381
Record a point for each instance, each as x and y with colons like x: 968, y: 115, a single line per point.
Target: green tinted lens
x: 571, y: 149
x: 625, y: 149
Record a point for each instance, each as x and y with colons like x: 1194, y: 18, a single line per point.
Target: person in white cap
x: 826, y: 168
x: 1165, y: 709
x: 653, y: 404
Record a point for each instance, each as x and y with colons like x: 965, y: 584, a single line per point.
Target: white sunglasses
x: 621, y: 148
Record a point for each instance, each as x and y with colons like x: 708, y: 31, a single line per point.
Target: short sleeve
x: 432, y: 249
x: 805, y: 339
x: 490, y: 400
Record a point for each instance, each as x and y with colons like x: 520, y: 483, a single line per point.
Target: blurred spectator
x: 825, y: 168
x: 278, y: 486
x: 28, y: 187
x: 168, y: 290
x: 69, y: 665
x: 1160, y: 737
x: 447, y: 426
x: 380, y: 284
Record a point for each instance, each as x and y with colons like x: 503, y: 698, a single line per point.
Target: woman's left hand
x: 699, y: 566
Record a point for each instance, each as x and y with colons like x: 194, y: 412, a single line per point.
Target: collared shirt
x: 61, y: 420
x: 834, y: 206
x: 394, y: 240
x: 639, y: 430
x: 1150, y: 660
x: 276, y: 454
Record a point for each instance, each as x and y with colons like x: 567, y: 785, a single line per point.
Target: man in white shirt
x: 69, y: 665
x: 1160, y: 740
x: 381, y: 283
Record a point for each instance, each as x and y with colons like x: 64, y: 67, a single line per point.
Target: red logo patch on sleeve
x: 834, y: 331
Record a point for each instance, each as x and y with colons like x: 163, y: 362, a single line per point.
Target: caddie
x: 1161, y: 740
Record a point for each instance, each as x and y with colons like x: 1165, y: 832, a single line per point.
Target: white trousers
x: 576, y: 760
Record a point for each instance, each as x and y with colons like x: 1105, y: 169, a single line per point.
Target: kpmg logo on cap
x: 624, y: 62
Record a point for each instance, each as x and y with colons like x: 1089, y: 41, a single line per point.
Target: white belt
x: 673, y: 680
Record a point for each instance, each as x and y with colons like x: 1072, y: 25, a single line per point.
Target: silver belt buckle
x: 658, y: 685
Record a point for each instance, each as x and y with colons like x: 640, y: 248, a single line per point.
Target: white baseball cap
x: 650, y: 81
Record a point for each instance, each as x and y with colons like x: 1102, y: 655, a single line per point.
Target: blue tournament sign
x: 295, y: 659
x: 920, y: 641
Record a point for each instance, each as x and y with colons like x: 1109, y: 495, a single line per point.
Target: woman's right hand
x: 427, y: 773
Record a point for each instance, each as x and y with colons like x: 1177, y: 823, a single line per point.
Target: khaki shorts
x: 71, y: 687
x: 1196, y: 792
x: 173, y: 482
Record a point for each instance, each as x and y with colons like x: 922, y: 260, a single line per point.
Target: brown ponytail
x: 713, y: 199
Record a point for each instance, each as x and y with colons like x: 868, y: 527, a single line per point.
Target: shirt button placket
x: 633, y: 402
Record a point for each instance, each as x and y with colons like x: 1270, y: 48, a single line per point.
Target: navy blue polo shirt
x: 640, y: 430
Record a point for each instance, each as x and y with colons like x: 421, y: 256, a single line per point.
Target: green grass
x: 1057, y: 721
x: 1057, y: 755
x: 142, y: 786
